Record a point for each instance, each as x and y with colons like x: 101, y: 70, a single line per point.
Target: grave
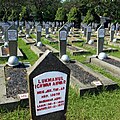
x: 21, y: 33
x: 39, y: 50
x: 111, y: 64
x: 52, y: 40
x: 12, y: 36
x: 100, y: 39
x: 39, y: 30
x: 48, y: 88
x: 10, y: 48
x: 112, y: 31
x: 88, y: 34
x: 84, y: 79
x: 28, y: 39
x: 75, y: 40
x: 74, y: 50
x: 62, y: 40
x: 13, y: 84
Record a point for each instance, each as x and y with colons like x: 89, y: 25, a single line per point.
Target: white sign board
x: 101, y: 33
x: 49, y: 92
x: 63, y: 35
x: 12, y: 35
x: 39, y: 28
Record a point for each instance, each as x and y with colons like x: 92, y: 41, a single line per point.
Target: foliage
x: 88, y: 18
x: 91, y: 16
x: 60, y: 14
x: 74, y: 15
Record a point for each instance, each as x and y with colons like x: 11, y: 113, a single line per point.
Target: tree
x: 88, y: 18
x: 74, y: 15
x: 60, y: 14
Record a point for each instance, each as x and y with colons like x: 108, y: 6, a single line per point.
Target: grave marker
x: 117, y: 28
x: 100, y: 39
x: 57, y: 26
x: 48, y: 88
x: 112, y: 31
x: 27, y: 29
x: 53, y: 27
x: 63, y: 40
x: 85, y: 29
x: 47, y: 28
x: 5, y: 27
x: 39, y: 30
x: 20, y: 26
x: 89, y: 30
x: 12, y: 36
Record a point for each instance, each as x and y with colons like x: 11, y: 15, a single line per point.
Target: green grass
x: 30, y: 56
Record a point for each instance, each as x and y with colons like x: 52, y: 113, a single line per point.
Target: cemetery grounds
x: 103, y: 106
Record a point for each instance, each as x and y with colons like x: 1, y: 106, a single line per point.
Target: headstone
x: 57, y: 26
x: 20, y: 27
x: 117, y: 28
x: 39, y: 30
x: 112, y: 31
x: 102, y: 20
x: 27, y: 29
x: 88, y: 35
x: 12, y: 35
x: 63, y: 40
x: 43, y: 23
x: 48, y: 88
x: 53, y: 27
x: 96, y: 26
x: 47, y: 28
x: 66, y: 27
x: 85, y: 30
x: 100, y: 39
x: 109, y: 26
x: 5, y: 27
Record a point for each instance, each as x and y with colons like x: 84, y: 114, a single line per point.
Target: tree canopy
x: 50, y: 10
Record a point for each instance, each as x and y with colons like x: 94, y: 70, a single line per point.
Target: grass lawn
x: 104, y: 106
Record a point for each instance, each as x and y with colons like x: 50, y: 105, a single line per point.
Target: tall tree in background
x: 74, y: 15
x: 61, y: 14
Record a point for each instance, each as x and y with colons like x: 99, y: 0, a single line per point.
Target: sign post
x: 48, y: 88
x: 100, y: 39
